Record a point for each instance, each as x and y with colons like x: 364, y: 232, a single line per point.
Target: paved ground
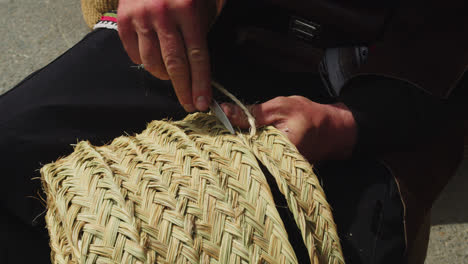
x: 34, y: 32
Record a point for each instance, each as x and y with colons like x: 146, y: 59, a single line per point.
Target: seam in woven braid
x: 304, y: 195
x: 197, y: 125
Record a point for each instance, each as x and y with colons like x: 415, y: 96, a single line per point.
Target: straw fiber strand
x: 92, y: 10
x: 184, y: 192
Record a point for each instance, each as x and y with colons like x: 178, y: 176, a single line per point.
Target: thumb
x: 264, y: 114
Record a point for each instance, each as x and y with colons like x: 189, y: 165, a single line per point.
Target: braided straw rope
x: 185, y: 192
x: 92, y: 10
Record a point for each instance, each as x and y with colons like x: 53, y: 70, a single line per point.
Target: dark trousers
x: 93, y: 92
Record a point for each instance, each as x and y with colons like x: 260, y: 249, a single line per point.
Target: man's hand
x: 169, y: 38
x: 319, y: 131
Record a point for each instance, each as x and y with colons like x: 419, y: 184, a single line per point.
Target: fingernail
x: 202, y: 103
x: 189, y: 107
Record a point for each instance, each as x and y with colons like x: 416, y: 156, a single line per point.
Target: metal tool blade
x: 214, y: 106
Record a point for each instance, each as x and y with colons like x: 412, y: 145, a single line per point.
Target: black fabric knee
x: 92, y: 92
x: 367, y: 209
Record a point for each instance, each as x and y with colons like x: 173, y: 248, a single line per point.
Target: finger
x: 264, y: 114
x: 150, y: 52
x: 175, y: 60
x: 197, y: 54
x: 235, y: 115
x: 128, y: 35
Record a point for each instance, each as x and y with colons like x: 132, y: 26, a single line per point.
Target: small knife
x: 219, y: 113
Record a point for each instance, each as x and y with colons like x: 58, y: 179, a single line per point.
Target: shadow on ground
x: 451, y: 207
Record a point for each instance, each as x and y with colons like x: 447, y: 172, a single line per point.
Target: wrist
x: 342, y: 129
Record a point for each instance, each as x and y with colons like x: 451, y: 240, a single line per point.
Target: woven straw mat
x: 185, y: 192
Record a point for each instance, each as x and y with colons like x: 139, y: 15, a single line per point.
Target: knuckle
x: 168, y: 39
x: 280, y: 100
x: 140, y: 22
x: 197, y: 55
x: 184, y: 4
x: 297, y: 98
x: 158, y: 7
x: 299, y: 101
x: 123, y: 19
x: 175, y: 65
x: 139, y: 12
x: 144, y: 29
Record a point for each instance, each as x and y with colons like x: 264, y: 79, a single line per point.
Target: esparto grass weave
x: 185, y: 192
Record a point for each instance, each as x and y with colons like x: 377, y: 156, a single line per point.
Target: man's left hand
x: 319, y: 131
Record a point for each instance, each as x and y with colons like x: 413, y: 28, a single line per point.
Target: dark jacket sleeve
x: 401, y: 95
x: 394, y: 115
x: 424, y: 44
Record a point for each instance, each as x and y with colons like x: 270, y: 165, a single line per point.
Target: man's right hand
x: 169, y: 38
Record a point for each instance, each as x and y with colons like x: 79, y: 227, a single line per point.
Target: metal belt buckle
x: 303, y: 29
